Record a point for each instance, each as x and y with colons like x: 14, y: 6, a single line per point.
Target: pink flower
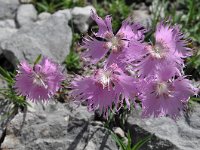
x: 169, y: 50
x: 104, y: 40
x: 106, y: 87
x: 165, y: 97
x: 171, y: 38
x: 40, y: 82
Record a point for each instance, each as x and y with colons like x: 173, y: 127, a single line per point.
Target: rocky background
x: 24, y: 34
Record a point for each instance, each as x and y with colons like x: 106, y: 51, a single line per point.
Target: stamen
x: 159, y: 50
x: 105, y: 78
x: 162, y: 89
x: 115, y: 43
x: 38, y: 80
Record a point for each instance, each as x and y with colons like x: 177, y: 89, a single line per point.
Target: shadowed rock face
x: 184, y: 134
x: 56, y: 126
x: 5, y: 117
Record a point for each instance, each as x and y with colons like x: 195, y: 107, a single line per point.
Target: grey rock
x: 44, y: 16
x: 6, y: 33
x: 47, y: 128
x: 5, y: 117
x: 141, y: 6
x: 3, y: 85
x: 7, y: 23
x: 97, y: 123
x: 143, y: 17
x: 65, y: 12
x: 80, y: 113
x: 118, y: 131
x: 26, y: 1
x: 184, y: 134
x: 50, y: 38
x: 8, y: 8
x: 26, y: 14
x: 81, y: 17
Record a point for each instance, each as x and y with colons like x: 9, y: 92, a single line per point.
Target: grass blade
x: 139, y: 144
x: 37, y: 59
x: 118, y: 141
x: 6, y: 75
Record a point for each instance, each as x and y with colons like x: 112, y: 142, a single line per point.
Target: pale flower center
x: 105, y: 78
x: 115, y: 43
x: 38, y: 79
x: 162, y: 89
x: 158, y: 51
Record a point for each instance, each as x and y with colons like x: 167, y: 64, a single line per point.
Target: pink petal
x: 105, y: 25
x: 132, y: 31
x: 96, y: 50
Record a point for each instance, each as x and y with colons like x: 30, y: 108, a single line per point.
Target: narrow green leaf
x: 37, y: 59
x: 119, y: 141
x: 197, y: 99
x: 139, y: 144
x: 129, y: 140
x: 42, y: 6
x: 6, y: 75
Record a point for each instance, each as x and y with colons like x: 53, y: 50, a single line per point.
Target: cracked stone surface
x: 184, y: 134
x: 8, y: 8
x: 56, y: 126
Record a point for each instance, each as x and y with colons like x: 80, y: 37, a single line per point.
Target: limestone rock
x: 118, y: 131
x: 184, y: 134
x: 7, y: 23
x: 6, y: 33
x: 7, y: 28
x: 47, y: 128
x: 26, y: 14
x: 143, y: 17
x: 8, y: 8
x: 26, y: 1
x: 44, y: 16
x: 5, y: 117
x: 50, y: 38
x: 81, y: 17
x: 65, y: 12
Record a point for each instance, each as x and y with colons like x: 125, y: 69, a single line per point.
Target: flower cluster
x: 158, y: 80
x: 105, y: 87
x: 40, y: 82
x: 116, y: 44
